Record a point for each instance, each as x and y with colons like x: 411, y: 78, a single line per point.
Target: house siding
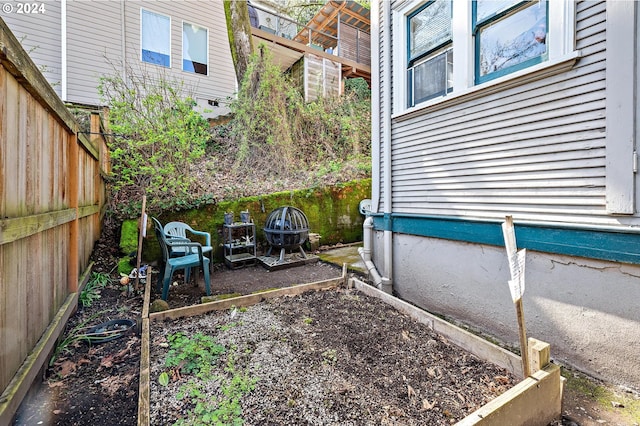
x: 94, y: 41
x: 41, y: 36
x: 536, y: 151
x: 94, y: 36
x: 383, y: 49
x: 220, y: 83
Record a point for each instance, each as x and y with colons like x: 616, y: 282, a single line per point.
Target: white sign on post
x: 144, y: 225
x: 516, y: 283
x: 516, y: 260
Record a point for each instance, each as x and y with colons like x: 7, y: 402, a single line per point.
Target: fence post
x: 74, y: 233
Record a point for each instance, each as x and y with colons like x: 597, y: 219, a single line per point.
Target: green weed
x: 91, y: 291
x: 225, y: 410
x: 194, y: 354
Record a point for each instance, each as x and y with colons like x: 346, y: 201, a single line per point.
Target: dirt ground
x: 98, y: 384
x: 329, y: 357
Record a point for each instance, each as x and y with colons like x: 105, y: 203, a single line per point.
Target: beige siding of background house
x: 535, y: 150
x: 41, y: 36
x: 94, y: 41
x: 220, y: 83
x: 98, y: 33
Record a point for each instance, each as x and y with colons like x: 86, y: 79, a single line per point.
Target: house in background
x: 333, y: 46
x: 76, y: 42
x: 484, y: 109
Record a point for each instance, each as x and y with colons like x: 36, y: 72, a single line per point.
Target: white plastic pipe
x: 365, y: 252
x: 384, y: 140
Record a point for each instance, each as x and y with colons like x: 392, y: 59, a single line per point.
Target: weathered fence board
x: 51, y: 200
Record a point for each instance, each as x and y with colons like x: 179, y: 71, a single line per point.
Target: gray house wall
x: 220, y: 83
x: 94, y: 37
x: 41, y: 36
x: 543, y: 150
x: 536, y: 150
x: 102, y: 37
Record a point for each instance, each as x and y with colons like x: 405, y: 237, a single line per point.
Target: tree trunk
x: 239, y: 30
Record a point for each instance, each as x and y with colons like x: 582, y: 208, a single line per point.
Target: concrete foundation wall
x: 586, y: 309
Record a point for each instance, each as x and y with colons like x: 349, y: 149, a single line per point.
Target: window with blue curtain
x: 509, y: 36
x: 195, y: 48
x: 430, y: 52
x: 156, y: 38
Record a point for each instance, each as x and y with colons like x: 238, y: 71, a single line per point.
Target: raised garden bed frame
x: 536, y: 400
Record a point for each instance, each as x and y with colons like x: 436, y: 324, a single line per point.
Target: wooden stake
x: 141, y: 234
x: 524, y: 350
x: 510, y: 244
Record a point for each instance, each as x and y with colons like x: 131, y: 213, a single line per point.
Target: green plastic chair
x: 192, y: 257
x: 182, y: 230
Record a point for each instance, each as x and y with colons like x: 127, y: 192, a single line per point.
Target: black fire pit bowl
x: 286, y: 228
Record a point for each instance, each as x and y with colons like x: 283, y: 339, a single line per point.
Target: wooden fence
x: 51, y: 199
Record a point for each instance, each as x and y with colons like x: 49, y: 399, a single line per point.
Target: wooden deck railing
x: 51, y: 199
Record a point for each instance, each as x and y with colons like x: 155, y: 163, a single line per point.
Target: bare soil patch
x: 333, y: 357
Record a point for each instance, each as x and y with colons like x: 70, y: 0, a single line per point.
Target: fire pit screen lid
x: 286, y: 226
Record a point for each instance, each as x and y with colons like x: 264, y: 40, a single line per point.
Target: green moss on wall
x: 124, y: 266
x: 332, y: 212
x: 129, y: 236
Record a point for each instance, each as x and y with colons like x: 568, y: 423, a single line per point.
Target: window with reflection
x: 195, y: 48
x: 430, y: 52
x: 156, y: 38
x: 509, y: 36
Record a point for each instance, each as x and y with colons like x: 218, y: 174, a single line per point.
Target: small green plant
x: 226, y: 327
x: 307, y: 320
x: 91, y: 291
x: 163, y: 379
x: 329, y: 357
x: 229, y: 410
x: 226, y: 410
x: 65, y: 345
x: 194, y: 355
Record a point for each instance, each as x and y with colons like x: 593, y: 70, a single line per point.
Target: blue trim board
x: 604, y: 244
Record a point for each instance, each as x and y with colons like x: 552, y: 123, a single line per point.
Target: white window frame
x: 561, y: 42
x: 142, y: 10
x: 207, y: 52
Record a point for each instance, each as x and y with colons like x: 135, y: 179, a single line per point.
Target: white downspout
x: 383, y: 283
x: 387, y: 282
x: 365, y: 252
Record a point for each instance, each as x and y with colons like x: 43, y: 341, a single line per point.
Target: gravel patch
x: 336, y: 357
